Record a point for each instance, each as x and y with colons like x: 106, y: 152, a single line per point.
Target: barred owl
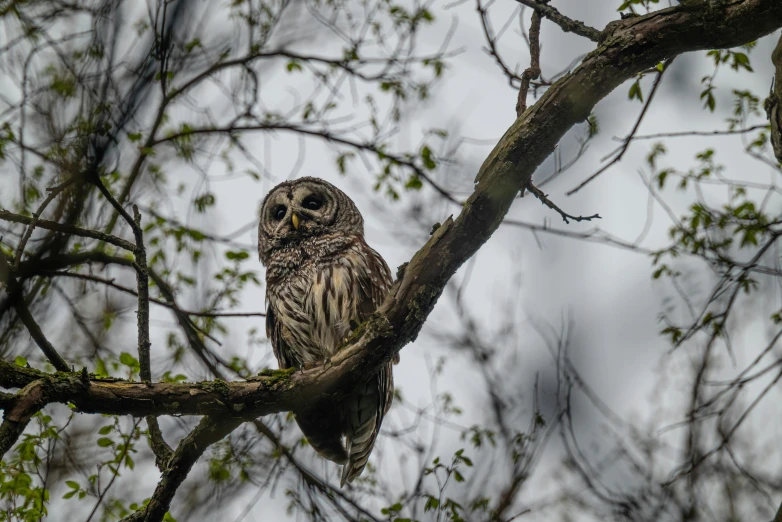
x: 322, y: 278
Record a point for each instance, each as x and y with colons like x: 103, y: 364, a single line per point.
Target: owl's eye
x: 311, y: 202
x: 279, y: 212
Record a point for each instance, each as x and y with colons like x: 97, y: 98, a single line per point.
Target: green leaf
x: 426, y: 156
x: 20, y: 361
x: 414, y: 182
x: 236, y: 256
x: 72, y: 484
x: 128, y: 360
x: 105, y: 442
x: 635, y: 91
x: 293, y: 65
x: 105, y: 430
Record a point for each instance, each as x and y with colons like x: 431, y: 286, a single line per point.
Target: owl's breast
x: 315, y: 305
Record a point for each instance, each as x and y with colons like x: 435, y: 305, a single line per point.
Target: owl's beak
x: 295, y: 220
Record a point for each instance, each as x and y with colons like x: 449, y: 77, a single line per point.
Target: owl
x: 322, y: 279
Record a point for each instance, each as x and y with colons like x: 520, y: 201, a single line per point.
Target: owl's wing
x: 374, y: 282
x: 279, y: 346
x: 368, y: 403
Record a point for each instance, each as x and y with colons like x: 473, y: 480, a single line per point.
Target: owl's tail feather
x: 324, y: 433
x: 364, y: 411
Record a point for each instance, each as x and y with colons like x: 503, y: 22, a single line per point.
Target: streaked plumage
x: 321, y: 278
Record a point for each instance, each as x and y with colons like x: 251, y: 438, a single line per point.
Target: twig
x: 66, y: 229
x: 491, y: 40
x: 316, y: 133
x: 112, y: 284
x: 533, y: 71
x: 53, y: 193
x: 629, y: 138
x: 566, y: 23
x: 208, y: 431
x: 157, y: 443
x: 698, y: 133
x: 16, y: 296
x: 160, y: 447
x: 114, y: 203
x: 114, y: 474
x: 142, y: 283
x: 550, y: 204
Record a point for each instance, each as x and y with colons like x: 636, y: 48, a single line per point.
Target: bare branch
x: 16, y: 296
x: 533, y: 71
x: 566, y: 24
x: 190, y: 449
x: 25, y: 404
x: 67, y: 229
x: 53, y: 193
x: 629, y: 138
x: 166, y: 304
x: 550, y: 204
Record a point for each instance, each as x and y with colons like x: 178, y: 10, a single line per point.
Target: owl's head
x: 305, y: 207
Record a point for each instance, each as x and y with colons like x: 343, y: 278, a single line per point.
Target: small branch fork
x: 550, y: 204
x: 16, y: 296
x: 565, y: 23
x: 532, y: 73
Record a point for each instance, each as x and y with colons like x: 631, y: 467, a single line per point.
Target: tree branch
x: 565, y: 23
x: 772, y: 104
x: 66, y: 229
x: 25, y: 404
x: 16, y: 297
x: 543, y: 197
x: 533, y: 71
x: 190, y: 449
x: 620, y: 152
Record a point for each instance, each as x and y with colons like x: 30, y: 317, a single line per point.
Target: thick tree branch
x: 25, y: 404
x: 772, y: 102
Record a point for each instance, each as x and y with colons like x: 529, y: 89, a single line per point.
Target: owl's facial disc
x: 305, y: 208
x: 302, y: 210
